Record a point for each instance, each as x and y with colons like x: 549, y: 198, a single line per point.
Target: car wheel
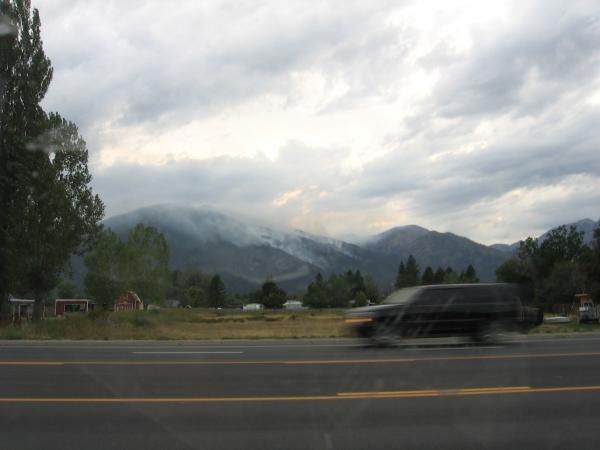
x: 385, y: 336
x: 490, y: 333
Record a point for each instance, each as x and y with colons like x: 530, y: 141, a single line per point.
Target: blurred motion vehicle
x: 479, y: 311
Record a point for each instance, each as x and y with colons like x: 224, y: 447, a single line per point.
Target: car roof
x: 464, y: 285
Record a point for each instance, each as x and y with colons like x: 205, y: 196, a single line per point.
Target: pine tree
x: 439, y: 275
x: 428, y: 276
x: 470, y: 276
x: 216, y: 292
x: 400, y: 277
x: 412, y: 271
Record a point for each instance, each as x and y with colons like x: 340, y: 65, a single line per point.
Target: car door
x: 427, y: 314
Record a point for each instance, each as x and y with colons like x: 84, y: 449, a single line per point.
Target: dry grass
x: 184, y: 324
x: 207, y: 324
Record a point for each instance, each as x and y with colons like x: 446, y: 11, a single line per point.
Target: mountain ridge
x: 245, y: 251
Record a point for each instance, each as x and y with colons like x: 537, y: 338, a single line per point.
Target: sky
x: 341, y: 118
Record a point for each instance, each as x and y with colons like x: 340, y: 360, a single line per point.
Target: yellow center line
x: 459, y: 391
x: 302, y: 362
x: 339, y: 396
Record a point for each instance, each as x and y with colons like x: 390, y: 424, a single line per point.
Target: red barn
x: 129, y: 302
x: 64, y: 305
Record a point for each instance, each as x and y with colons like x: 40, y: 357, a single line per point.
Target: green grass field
x: 205, y: 324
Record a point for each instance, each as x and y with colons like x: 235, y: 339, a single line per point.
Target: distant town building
x: 64, y: 306
x: 253, y: 307
x: 293, y: 305
x: 21, y: 309
x: 129, y: 301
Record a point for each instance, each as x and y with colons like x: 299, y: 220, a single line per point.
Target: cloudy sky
x: 338, y: 117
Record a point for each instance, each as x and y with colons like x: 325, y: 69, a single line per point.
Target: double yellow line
x: 367, y: 395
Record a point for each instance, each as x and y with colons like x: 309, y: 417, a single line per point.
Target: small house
x: 64, y: 306
x: 129, y: 301
x: 21, y: 309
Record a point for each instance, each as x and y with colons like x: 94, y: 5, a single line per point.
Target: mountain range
x: 245, y: 252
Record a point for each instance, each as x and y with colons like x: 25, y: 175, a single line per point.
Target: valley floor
x: 208, y: 324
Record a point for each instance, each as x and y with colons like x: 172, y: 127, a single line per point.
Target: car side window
x: 480, y: 296
x: 435, y: 297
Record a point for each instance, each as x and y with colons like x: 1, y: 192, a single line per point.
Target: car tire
x: 385, y: 335
x: 490, y: 333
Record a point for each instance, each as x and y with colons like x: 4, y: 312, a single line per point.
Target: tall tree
x: 400, y: 276
x: 371, y: 289
x: 216, y: 292
x: 271, y: 295
x: 469, y: 275
x: 548, y: 269
x: 25, y: 74
x: 439, y: 275
x: 141, y: 265
x: 147, y: 263
x: 49, y: 210
x: 412, y: 271
x: 315, y: 293
x: 104, y: 279
x: 62, y: 215
x: 428, y: 276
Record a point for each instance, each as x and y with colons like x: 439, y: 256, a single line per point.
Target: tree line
x: 556, y: 268
x: 409, y: 275
x: 341, y: 291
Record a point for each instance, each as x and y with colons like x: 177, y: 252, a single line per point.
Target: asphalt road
x: 331, y: 394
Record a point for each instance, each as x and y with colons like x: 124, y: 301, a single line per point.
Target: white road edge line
x: 456, y: 348
x: 187, y: 353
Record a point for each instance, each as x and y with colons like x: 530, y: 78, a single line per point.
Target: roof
x: 462, y: 285
x: 21, y: 300
x: 79, y: 300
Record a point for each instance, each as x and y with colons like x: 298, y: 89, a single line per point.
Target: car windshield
x: 401, y: 296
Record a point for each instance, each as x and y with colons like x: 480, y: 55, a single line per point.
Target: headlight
x: 360, y: 320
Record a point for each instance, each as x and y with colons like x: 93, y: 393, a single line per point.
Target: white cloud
x: 342, y: 117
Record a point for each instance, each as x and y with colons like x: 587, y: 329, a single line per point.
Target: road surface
x: 323, y: 394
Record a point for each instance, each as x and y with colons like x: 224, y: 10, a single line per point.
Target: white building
x: 253, y: 307
x: 293, y: 305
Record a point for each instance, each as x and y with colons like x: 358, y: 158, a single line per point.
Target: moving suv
x: 479, y: 311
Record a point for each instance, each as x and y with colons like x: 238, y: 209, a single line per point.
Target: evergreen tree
x: 450, y: 276
x: 216, y: 292
x: 439, y: 276
x: 401, y: 276
x: 271, y: 295
x: 315, y: 293
x: 338, y: 292
x: 428, y: 276
x: 371, y: 289
x: 412, y: 271
x: 469, y: 276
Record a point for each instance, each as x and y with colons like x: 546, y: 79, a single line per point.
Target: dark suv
x: 478, y: 311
